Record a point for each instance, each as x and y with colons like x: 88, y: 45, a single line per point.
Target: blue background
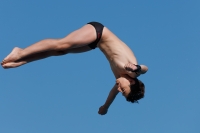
x: 63, y: 94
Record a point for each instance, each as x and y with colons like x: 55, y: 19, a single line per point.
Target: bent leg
x: 76, y: 39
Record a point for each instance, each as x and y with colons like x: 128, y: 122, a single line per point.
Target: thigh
x: 79, y: 38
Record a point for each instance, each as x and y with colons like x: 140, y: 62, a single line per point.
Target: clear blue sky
x: 56, y: 96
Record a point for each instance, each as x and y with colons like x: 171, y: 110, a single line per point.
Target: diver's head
x: 131, y: 88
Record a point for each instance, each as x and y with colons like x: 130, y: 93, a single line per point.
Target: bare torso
x: 117, y: 52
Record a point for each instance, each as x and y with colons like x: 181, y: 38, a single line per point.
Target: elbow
x: 144, y: 69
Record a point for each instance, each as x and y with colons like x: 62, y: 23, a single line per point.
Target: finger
x: 99, y: 113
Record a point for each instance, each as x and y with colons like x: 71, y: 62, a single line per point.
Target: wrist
x: 105, y: 106
x: 138, y: 68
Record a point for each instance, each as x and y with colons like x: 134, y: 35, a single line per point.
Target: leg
x: 78, y: 38
x: 43, y: 55
x: 28, y: 59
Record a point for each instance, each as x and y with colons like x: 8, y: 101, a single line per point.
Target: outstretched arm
x: 104, y: 108
x: 135, y: 70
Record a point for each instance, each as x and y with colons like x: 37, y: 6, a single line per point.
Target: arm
x: 135, y: 70
x: 103, y: 109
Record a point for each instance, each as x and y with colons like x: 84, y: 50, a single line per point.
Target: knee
x: 59, y: 52
x: 62, y: 46
x: 56, y: 44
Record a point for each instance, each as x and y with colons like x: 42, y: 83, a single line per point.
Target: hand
x: 103, y: 110
x: 130, y: 67
x: 134, y: 69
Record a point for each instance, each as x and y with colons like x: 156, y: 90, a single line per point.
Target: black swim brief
x: 99, y: 29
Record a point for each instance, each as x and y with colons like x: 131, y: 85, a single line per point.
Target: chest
x: 118, y: 70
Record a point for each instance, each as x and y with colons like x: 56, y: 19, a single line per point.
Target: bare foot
x: 13, y: 56
x: 13, y: 64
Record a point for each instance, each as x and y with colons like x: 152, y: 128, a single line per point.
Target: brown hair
x: 137, y: 91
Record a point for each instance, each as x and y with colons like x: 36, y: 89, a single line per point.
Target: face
x: 124, y: 84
